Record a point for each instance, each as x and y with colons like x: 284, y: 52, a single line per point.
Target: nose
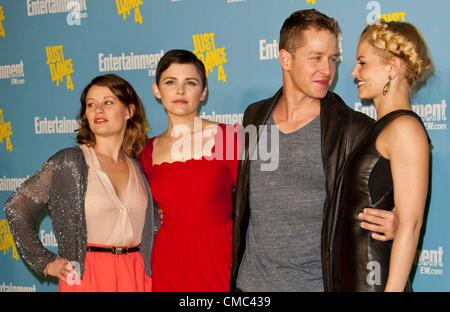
x: 99, y: 108
x: 355, y: 72
x: 327, y: 68
x: 180, y: 89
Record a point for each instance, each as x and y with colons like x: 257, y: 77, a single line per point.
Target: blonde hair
x: 403, y: 40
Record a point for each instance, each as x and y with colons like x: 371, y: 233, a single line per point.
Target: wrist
x: 46, y: 269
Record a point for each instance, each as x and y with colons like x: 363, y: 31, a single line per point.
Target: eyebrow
x: 188, y: 78
x: 321, y: 53
x: 105, y: 97
x: 360, y: 57
x: 315, y: 52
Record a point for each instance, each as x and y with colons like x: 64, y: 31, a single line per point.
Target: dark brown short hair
x: 180, y: 57
x: 135, y: 134
x: 291, y: 32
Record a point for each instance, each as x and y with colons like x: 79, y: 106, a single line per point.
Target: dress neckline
x: 97, y: 166
x: 175, y: 162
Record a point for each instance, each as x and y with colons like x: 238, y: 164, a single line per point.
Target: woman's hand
x: 60, y: 268
x: 383, y: 223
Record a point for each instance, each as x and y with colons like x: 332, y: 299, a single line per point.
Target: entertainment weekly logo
x: 15, y: 72
x: 430, y: 261
x: 75, y: 10
x: 48, y: 239
x: 223, y: 118
x: 16, y: 288
x: 434, y: 116
x: 57, y: 125
x: 10, y: 184
x: 107, y: 62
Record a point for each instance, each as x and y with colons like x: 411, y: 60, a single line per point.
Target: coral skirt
x: 107, y: 272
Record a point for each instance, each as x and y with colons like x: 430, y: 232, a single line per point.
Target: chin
x: 319, y: 94
x: 181, y: 112
x: 363, y: 96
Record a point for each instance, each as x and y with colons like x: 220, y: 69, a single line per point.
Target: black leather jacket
x: 341, y: 130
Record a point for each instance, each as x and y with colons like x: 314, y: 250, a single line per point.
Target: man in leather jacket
x: 284, y: 219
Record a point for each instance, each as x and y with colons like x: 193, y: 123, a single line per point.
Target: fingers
x: 384, y: 214
x: 372, y: 227
x: 380, y: 221
x: 62, y: 276
x: 370, y: 218
x: 65, y: 272
x: 390, y: 235
x: 60, y: 268
x: 379, y: 237
x: 378, y: 232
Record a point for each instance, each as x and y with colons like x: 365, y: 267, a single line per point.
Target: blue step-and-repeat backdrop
x: 50, y: 49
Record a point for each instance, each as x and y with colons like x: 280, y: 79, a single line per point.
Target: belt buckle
x: 119, y: 251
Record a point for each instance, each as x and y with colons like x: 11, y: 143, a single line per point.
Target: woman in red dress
x: 191, y: 168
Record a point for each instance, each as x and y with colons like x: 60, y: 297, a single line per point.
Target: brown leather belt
x: 113, y: 250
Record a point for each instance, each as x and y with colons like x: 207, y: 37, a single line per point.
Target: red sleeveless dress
x: 192, y: 248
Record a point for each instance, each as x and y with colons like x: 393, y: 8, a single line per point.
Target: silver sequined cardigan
x: 60, y: 185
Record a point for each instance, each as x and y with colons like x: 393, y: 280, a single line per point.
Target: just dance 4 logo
x: 124, y: 8
x: 59, y: 66
x: 212, y: 56
x: 7, y: 241
x: 5, y: 132
x: 375, y: 13
x: 307, y: 1
x: 2, y: 18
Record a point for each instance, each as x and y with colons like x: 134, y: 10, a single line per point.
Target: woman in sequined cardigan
x: 103, y: 224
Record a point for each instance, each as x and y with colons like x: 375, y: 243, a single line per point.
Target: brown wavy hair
x: 136, y: 128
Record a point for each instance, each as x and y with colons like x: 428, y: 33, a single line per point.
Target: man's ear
x: 285, y: 59
x: 155, y: 90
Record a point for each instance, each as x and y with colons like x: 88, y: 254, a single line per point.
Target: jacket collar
x: 330, y: 107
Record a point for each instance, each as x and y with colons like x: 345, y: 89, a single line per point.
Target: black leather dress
x: 361, y: 262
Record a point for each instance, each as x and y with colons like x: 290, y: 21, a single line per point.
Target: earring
x: 387, y: 86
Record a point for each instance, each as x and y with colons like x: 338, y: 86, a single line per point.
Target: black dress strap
x: 381, y: 123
